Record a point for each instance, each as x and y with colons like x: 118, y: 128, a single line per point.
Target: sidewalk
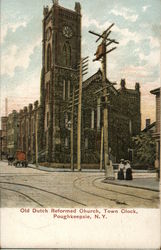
x: 142, y: 179
x: 143, y: 183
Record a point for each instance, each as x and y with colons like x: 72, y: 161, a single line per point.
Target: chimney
x: 123, y: 83
x: 147, y: 122
x: 137, y: 86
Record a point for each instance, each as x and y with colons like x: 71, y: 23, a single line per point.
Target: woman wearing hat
x: 121, y: 170
x: 128, y: 171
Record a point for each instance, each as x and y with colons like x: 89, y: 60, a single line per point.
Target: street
x: 28, y: 187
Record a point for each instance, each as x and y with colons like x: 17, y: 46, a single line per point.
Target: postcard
x: 80, y: 124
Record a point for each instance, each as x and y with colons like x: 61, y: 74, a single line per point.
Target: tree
x: 145, y: 148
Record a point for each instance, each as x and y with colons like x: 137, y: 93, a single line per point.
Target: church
x: 44, y: 129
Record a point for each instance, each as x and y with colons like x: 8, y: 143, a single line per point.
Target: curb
x: 67, y: 170
x: 126, y: 185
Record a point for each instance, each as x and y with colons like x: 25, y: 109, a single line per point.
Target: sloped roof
x: 97, y: 77
x: 155, y: 91
x: 149, y: 127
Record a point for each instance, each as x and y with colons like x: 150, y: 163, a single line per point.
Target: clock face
x: 48, y: 33
x: 67, y: 31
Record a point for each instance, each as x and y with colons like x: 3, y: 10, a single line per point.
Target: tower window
x: 86, y: 143
x: 67, y: 54
x: 66, y: 142
x: 92, y: 119
x: 48, y: 57
x: 47, y: 119
x: 66, y: 89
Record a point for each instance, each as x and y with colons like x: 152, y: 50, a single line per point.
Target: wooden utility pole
x: 101, y: 151
x: 79, y: 119
x: 101, y: 54
x: 36, y: 140
x: 83, y: 67
x: 72, y: 129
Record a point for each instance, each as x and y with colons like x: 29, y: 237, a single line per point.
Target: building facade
x: 124, y: 119
x: 28, y: 136
x: 156, y: 134
x: 12, y: 133
x: 4, y: 136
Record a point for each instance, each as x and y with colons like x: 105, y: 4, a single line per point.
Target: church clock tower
x: 61, y: 52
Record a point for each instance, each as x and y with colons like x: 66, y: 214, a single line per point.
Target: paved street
x: 30, y: 187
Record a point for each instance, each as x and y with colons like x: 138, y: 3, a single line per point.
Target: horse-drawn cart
x: 20, y: 159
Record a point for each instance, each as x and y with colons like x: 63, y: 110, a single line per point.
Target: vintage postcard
x: 80, y: 124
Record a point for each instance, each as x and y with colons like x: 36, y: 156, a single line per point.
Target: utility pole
x: 72, y: 131
x: 76, y: 100
x: 6, y: 106
x: 36, y: 139
x: 101, y: 54
x: 82, y: 71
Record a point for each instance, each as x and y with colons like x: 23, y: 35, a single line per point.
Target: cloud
x: 154, y: 42
x: 87, y: 22
x: 12, y: 27
x: 152, y: 59
x: 127, y: 14
x: 14, y: 57
x: 127, y: 35
x: 144, y: 8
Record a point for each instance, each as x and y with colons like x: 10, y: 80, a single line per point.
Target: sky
x: 137, y: 57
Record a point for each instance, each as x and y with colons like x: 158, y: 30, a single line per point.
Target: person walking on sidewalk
x: 128, y: 171
x: 121, y: 170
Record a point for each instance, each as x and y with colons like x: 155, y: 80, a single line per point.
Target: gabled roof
x: 155, y: 91
x: 98, y: 77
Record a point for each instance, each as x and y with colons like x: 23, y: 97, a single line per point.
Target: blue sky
x: 137, y: 57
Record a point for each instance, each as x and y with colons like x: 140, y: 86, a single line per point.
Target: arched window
x: 67, y: 54
x: 48, y: 57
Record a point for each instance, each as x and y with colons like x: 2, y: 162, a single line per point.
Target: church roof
x: 97, y: 77
x: 155, y: 91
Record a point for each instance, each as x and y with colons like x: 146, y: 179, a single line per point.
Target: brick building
x: 1, y: 144
x: 156, y: 134
x: 28, y: 128
x: 124, y: 119
x: 12, y: 132
x: 4, y: 136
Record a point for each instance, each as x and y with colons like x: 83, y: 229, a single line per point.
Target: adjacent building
x: 12, y: 133
x: 156, y: 134
x: 4, y: 136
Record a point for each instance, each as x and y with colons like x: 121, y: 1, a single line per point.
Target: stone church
x: 48, y: 122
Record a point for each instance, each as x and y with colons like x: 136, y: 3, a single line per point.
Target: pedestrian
x: 121, y: 170
x: 128, y: 171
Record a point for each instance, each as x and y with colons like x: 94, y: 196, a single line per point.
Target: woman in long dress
x: 121, y: 170
x: 128, y: 175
